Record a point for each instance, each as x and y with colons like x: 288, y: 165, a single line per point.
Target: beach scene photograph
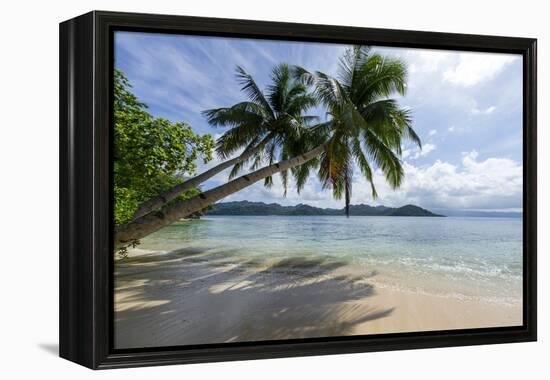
x: 271, y: 190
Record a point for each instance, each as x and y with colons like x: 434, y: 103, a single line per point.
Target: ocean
x: 469, y: 258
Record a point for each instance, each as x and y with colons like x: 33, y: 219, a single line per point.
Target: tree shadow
x: 203, y: 296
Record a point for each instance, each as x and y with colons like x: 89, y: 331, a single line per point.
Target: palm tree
x: 258, y: 126
x: 365, y: 126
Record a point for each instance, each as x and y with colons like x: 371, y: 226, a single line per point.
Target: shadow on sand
x: 197, y: 296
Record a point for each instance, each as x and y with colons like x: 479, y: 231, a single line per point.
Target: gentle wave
x: 465, y: 258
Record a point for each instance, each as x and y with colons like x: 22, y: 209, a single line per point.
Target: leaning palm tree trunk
x: 145, y: 225
x: 170, y: 194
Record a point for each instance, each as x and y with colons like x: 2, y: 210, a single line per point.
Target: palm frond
x: 256, y: 142
x: 284, y: 180
x: 301, y: 173
x: 404, y: 120
x: 300, y: 103
x: 380, y: 77
x: 240, y: 113
x: 334, y: 164
x: 350, y: 66
x: 329, y: 90
x: 364, y: 165
x: 235, y: 170
x: 252, y: 90
x: 303, y: 76
x: 384, y: 158
x: 387, y: 119
x: 278, y: 90
x: 256, y: 162
x: 236, y: 138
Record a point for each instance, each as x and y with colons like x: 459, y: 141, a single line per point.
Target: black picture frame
x: 86, y: 257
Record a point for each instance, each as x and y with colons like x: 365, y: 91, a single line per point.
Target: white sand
x: 196, y: 297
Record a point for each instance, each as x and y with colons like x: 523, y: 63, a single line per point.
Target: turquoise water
x: 455, y: 257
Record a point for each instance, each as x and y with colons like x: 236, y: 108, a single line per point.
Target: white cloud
x: 493, y: 183
x: 455, y: 129
x: 486, y: 111
x: 426, y: 149
x: 432, y: 132
x: 474, y: 68
x: 470, y: 155
x: 456, y: 74
x: 424, y: 60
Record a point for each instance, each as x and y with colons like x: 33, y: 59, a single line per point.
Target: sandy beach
x: 198, y: 296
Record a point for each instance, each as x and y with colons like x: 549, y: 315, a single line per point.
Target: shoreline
x: 199, y: 296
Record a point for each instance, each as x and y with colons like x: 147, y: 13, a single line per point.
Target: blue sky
x: 466, y: 107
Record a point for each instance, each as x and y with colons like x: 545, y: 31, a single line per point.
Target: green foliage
x: 150, y: 154
x: 366, y: 126
x: 271, y: 119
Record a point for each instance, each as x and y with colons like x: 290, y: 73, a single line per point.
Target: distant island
x: 481, y: 214
x: 261, y: 208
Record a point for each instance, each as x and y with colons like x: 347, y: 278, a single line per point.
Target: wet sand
x: 197, y: 296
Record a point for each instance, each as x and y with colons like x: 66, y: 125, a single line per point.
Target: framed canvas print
x: 237, y: 189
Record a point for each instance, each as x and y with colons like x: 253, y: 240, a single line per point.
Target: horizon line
x: 508, y: 211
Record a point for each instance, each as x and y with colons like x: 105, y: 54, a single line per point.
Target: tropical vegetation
x: 150, y: 154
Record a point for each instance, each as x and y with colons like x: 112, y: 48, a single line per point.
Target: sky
x: 466, y: 107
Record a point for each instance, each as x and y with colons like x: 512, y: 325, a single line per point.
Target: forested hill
x: 260, y: 208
